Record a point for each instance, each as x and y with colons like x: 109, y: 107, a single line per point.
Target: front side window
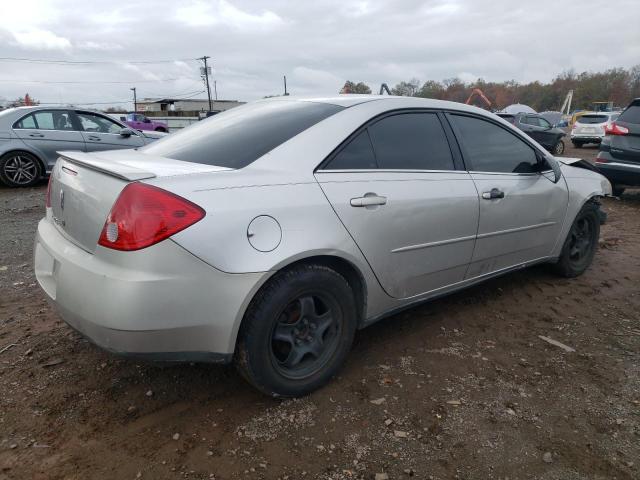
x: 92, y: 122
x: 543, y: 123
x: 238, y: 137
x: 490, y: 148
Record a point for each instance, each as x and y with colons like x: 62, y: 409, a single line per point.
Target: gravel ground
x: 462, y: 387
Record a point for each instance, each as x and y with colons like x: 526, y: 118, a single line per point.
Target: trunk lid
x: 85, y: 186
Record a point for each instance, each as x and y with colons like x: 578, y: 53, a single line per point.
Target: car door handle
x: 94, y: 138
x: 38, y: 135
x: 368, y: 200
x: 493, y: 194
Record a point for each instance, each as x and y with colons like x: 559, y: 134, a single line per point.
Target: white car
x: 590, y: 128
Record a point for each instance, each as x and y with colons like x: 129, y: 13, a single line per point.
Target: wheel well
x: 43, y: 167
x: 347, y: 270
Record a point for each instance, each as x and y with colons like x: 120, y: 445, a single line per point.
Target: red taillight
x: 615, y: 129
x: 144, y: 215
x: 47, y: 201
x: 601, y: 159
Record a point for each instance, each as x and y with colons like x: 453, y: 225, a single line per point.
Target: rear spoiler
x: 108, y: 167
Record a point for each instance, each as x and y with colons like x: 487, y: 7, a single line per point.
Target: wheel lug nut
x: 313, y: 326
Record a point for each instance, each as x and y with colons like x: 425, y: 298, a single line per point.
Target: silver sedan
x: 31, y: 136
x: 267, y: 235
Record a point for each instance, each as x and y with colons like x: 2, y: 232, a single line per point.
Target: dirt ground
x: 460, y: 388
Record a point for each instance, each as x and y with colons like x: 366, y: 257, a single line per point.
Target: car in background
x: 538, y: 128
x: 619, y: 155
x: 142, y: 122
x: 30, y: 138
x: 191, y: 248
x: 590, y: 127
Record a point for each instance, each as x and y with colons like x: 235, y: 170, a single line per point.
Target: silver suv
x: 590, y: 128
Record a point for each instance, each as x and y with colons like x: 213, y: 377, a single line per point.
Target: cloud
x: 37, y: 39
x: 317, y: 44
x: 222, y: 13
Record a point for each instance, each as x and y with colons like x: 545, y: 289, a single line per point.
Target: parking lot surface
x: 462, y: 387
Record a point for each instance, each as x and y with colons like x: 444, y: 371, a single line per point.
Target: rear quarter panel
x: 309, y: 227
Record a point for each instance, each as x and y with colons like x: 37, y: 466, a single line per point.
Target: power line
x: 91, y: 62
x: 177, y: 97
x: 72, y: 82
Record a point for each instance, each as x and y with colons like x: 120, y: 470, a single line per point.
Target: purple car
x: 140, y: 122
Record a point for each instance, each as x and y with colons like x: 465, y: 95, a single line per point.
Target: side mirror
x: 555, y: 166
x: 126, y: 132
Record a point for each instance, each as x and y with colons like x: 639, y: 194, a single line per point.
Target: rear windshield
x: 239, y: 136
x: 588, y: 119
x: 507, y: 117
x: 631, y: 114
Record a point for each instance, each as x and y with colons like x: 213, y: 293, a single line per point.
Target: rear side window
x: 356, y: 155
x: 490, y: 148
x: 591, y: 119
x: 631, y: 114
x: 411, y: 141
x: 508, y: 118
x: 239, y: 136
x: 27, y: 122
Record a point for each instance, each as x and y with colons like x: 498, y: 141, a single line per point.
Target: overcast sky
x: 317, y: 44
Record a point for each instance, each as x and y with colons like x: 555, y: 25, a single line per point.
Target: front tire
x: 297, y: 331
x: 581, y: 243
x: 617, y: 190
x: 19, y: 169
x: 558, y: 148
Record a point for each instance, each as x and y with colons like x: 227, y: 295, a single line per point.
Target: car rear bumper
x: 619, y: 173
x: 159, y: 303
x: 589, y: 138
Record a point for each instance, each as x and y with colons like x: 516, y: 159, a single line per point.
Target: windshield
x: 590, y: 119
x: 239, y: 136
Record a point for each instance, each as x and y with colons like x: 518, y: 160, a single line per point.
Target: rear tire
x: 581, y: 242
x: 297, y: 331
x: 162, y: 130
x: 20, y: 169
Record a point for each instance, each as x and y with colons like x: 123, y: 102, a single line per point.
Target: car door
x: 404, y: 197
x: 48, y: 132
x: 103, y: 133
x: 548, y: 136
x: 521, y: 208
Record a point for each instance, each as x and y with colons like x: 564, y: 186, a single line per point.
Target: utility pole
x: 215, y: 89
x: 135, y: 102
x: 285, y: 85
x: 206, y: 76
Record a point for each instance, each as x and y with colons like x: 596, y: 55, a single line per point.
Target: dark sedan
x: 538, y: 128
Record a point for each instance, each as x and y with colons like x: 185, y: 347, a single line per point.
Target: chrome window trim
x: 388, y: 170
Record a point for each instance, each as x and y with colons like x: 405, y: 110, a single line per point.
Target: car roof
x: 349, y: 100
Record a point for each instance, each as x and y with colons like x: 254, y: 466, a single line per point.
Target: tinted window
x: 631, y: 114
x: 508, y: 118
x: 413, y: 141
x: 543, y: 123
x: 590, y: 119
x: 97, y: 123
x: 237, y: 137
x: 490, y: 148
x: 357, y: 155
